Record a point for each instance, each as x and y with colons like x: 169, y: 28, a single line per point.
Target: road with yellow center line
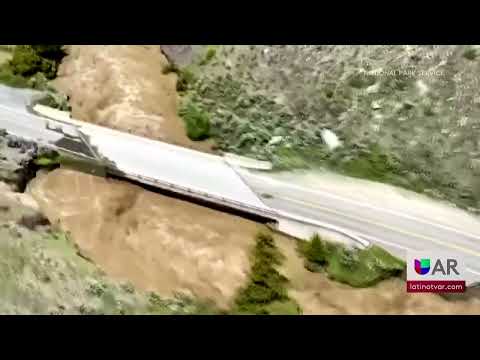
x: 396, y: 232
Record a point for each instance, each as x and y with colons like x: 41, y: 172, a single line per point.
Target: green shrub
x: 48, y: 159
x: 361, y: 81
x: 169, y: 68
x: 8, y: 78
x: 317, y: 251
x: 355, y: 267
x: 52, y: 52
x: 26, y: 62
x: 55, y: 100
x: 196, y: 121
x: 266, y: 291
x: 372, y: 164
x: 180, y: 305
x: 209, y: 55
x: 185, y: 79
x: 29, y: 60
x: 470, y: 54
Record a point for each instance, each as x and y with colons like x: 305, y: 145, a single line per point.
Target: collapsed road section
x: 162, y: 167
x: 173, y: 170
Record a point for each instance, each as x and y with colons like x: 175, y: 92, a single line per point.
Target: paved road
x: 17, y: 120
x: 398, y: 232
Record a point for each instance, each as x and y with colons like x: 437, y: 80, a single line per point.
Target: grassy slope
x: 392, y: 130
x: 42, y: 272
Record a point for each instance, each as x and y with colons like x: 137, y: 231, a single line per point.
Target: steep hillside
x: 405, y: 115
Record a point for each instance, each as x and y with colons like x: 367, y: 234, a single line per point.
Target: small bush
x: 361, y: 81
x: 52, y: 52
x: 169, y: 68
x: 128, y: 288
x: 185, y: 79
x: 196, y: 121
x: 55, y: 100
x: 32, y: 221
x: 180, y: 305
x: 97, y: 289
x: 209, y: 55
x: 470, y: 54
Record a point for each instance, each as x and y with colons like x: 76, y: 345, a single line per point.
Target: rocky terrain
x: 15, y: 156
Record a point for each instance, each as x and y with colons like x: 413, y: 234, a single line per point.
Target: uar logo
x: 422, y: 266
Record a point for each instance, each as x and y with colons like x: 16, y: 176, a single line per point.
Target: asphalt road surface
x: 394, y: 231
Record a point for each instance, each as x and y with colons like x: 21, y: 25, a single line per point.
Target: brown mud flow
x: 168, y: 245
x: 157, y: 242
x: 123, y: 87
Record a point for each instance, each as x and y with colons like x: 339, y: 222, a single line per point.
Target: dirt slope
x: 158, y: 243
x: 123, y: 87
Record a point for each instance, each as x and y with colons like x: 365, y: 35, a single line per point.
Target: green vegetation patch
x: 44, y: 272
x: 52, y: 159
x: 266, y: 292
x: 196, y: 121
x: 29, y: 60
x: 8, y: 78
x: 209, y: 54
x: 185, y: 76
x: 355, y: 267
x: 470, y: 54
x: 48, y: 160
x: 372, y: 164
x: 185, y: 79
x: 361, y: 81
x: 180, y: 305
